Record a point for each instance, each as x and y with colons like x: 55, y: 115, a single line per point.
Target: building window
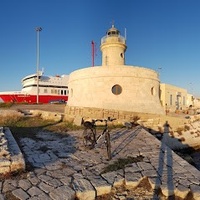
x: 153, y: 92
x: 171, y: 99
x: 184, y: 100
x: 116, y: 89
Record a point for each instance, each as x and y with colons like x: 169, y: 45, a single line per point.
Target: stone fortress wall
x: 92, y: 87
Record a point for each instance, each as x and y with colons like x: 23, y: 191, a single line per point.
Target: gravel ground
x: 46, y: 107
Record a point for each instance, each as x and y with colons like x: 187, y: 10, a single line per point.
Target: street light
x: 38, y: 29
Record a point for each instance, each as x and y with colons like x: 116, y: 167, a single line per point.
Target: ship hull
x: 48, y: 89
x: 23, y: 98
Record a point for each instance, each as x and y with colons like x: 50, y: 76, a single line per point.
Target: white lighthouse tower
x: 113, y: 47
x: 114, y: 86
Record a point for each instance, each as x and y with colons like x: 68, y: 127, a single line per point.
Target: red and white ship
x: 46, y: 90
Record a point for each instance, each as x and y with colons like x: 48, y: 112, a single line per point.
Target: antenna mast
x: 92, y: 53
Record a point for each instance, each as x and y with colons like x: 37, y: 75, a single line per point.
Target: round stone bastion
x: 125, y: 88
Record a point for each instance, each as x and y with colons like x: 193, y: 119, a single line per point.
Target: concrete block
x: 155, y: 182
x: 20, y: 194
x: 167, y: 189
x: 132, y: 180
x: 101, y: 186
x: 77, y: 120
x: 181, y: 191
x: 114, y: 178
x: 4, y: 162
x: 17, y: 165
x: 195, y: 189
x: 84, y: 189
x: 4, y: 170
x: 63, y: 192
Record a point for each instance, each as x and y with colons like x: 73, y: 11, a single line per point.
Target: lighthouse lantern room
x: 113, y: 47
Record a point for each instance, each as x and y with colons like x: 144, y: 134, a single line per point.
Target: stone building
x: 114, y: 86
x: 175, y: 98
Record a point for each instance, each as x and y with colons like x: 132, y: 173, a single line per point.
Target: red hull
x: 21, y: 98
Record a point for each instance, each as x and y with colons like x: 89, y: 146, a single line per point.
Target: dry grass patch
x: 179, y: 130
x: 186, y: 128
x: 121, y: 163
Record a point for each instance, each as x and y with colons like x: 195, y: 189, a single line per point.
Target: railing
x: 120, y: 39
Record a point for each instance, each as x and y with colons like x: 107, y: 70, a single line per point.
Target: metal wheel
x: 88, y: 138
x: 108, y: 144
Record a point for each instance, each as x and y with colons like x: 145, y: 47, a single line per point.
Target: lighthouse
x: 113, y: 87
x: 113, y: 47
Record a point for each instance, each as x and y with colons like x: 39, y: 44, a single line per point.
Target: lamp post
x: 38, y: 29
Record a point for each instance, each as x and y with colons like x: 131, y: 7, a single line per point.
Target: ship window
x: 65, y: 92
x: 45, y: 90
x: 116, y: 89
x: 55, y: 91
x: 61, y: 92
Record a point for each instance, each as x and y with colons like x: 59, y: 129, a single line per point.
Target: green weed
x: 121, y: 163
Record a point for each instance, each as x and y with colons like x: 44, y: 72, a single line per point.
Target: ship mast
x: 38, y: 29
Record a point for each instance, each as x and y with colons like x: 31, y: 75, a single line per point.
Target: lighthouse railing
x: 121, y: 39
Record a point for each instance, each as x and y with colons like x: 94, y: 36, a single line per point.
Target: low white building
x: 175, y: 98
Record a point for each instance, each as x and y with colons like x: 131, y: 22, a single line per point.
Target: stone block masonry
x: 71, y: 112
x: 11, y: 157
x: 153, y: 121
x: 64, y: 169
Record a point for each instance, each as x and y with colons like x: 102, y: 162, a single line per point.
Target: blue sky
x: 160, y: 34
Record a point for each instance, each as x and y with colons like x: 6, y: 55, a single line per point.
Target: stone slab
x: 84, y: 189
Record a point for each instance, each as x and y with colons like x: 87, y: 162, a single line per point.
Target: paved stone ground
x: 59, y: 168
